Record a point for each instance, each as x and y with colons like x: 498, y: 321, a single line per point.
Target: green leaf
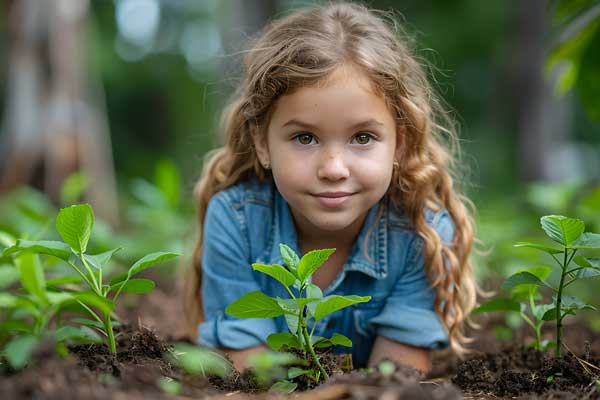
x: 523, y: 278
x: 167, y: 178
x: 340, y: 340
x: 32, y: 275
x: 255, y: 305
x: 73, y: 187
x: 199, y: 361
x: 270, y: 359
x: 63, y: 280
x: 19, y: 349
x: 98, y: 261
x: 277, y: 340
x: 292, y: 322
x: 540, y: 311
x: 550, y: 314
x: 46, y: 247
x: 290, y: 258
x: 295, y: 372
x: 574, y: 302
x: 82, y: 333
x: 89, y: 322
x: 276, y: 271
x: 498, y: 305
x: 547, y: 249
x: 587, y: 241
x: 58, y: 298
x: 561, y: 229
x: 150, y: 260
x: 8, y: 276
x: 283, y: 387
x: 312, y: 261
x: 587, y: 262
x: 334, y: 303
x: 313, y: 291
x: 7, y: 300
x: 90, y: 298
x: 74, y: 224
x: 136, y: 286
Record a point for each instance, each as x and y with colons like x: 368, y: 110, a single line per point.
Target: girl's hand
x: 416, y: 357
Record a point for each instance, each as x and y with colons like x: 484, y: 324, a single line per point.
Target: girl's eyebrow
x: 363, y: 124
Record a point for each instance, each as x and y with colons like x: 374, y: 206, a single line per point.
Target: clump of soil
x: 520, y: 371
x: 91, y: 372
x: 403, y: 382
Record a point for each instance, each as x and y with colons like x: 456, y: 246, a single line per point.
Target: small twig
x: 584, y: 364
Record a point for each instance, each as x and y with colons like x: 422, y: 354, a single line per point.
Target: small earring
x: 267, y: 165
x: 396, y: 165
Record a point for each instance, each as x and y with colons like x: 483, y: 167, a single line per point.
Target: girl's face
x: 338, y: 136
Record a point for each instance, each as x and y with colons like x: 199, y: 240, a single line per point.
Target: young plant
x: 523, y: 300
x: 29, y: 312
x: 74, y: 224
x: 302, y: 310
x: 569, y: 234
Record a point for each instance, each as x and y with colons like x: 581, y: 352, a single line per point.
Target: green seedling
x: 523, y: 300
x: 301, y: 311
x: 98, y: 298
x: 29, y: 312
x: 569, y: 234
x: 199, y: 361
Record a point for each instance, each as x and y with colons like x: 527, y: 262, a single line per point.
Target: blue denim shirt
x: 246, y: 223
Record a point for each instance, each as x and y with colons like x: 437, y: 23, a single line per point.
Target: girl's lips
x: 333, y: 201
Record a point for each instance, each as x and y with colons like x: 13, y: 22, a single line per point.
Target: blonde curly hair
x: 303, y: 49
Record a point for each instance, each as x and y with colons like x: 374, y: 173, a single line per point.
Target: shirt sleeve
x: 226, y: 276
x: 408, y: 315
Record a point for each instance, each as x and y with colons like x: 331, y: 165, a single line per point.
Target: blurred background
x: 115, y: 102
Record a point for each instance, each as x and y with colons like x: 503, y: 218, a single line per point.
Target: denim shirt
x: 245, y: 224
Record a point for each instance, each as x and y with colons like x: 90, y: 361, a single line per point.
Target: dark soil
x: 495, y: 371
x: 524, y: 371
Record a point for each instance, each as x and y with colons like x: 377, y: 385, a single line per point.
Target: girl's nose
x: 333, y: 167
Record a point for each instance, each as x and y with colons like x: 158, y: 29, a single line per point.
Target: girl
x: 334, y: 140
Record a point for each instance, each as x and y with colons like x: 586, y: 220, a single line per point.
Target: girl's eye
x: 304, y: 136
x: 366, y: 137
x: 362, y: 138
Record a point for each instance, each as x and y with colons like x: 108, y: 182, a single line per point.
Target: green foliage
x: 300, y: 310
x: 199, y: 361
x: 570, y: 234
x: 41, y: 300
x: 575, y: 56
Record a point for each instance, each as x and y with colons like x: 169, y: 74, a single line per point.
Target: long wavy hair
x: 303, y: 49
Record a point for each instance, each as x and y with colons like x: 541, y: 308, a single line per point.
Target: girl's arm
x: 416, y: 357
x: 240, y: 357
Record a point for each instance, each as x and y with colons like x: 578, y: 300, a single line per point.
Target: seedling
x: 74, y: 224
x: 523, y: 300
x: 301, y: 311
x: 569, y: 233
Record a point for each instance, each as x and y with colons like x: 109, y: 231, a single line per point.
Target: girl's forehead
x: 346, y: 91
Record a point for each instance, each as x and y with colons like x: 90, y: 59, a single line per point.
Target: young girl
x: 335, y: 140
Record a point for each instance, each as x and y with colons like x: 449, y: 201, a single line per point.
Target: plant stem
x: 312, y: 352
x: 558, y: 306
x: 111, y: 337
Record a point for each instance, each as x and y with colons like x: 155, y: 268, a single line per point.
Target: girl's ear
x: 262, y: 147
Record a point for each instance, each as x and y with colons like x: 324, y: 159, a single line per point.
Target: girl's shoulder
x: 251, y: 190
x: 440, y: 220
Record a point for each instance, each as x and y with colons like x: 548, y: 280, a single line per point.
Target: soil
x: 501, y: 371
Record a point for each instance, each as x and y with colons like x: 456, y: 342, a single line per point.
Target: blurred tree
x: 54, y: 123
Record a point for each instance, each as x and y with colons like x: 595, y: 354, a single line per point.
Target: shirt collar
x: 369, y: 258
